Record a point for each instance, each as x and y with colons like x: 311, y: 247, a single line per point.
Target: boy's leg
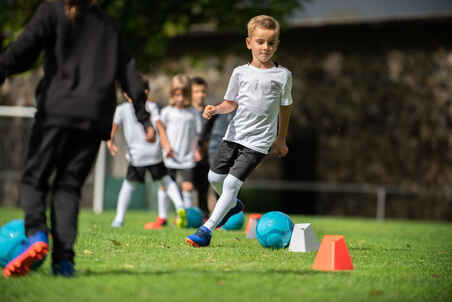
x: 124, y: 197
x: 75, y: 159
x: 161, y: 174
x: 227, y: 204
x: 224, y: 160
x: 39, y: 164
x: 162, y: 204
x: 187, y: 186
x: 168, y: 187
x: 216, y: 180
x: 227, y: 200
x: 134, y: 175
x: 201, y: 184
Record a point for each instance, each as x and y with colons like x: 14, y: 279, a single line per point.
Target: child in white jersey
x: 201, y: 184
x: 183, y: 126
x: 143, y: 156
x: 261, y: 94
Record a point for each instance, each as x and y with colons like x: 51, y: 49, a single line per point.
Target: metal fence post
x: 381, y: 203
x: 99, y: 179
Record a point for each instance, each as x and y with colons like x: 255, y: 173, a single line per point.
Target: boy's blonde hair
x: 262, y: 21
x: 180, y: 82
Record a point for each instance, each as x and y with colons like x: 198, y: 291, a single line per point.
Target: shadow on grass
x: 382, y: 249
x: 125, y: 272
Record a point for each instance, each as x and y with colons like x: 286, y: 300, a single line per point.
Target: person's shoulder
x: 126, y: 106
x: 193, y: 109
x: 241, y: 68
x: 284, y: 70
x: 166, y: 109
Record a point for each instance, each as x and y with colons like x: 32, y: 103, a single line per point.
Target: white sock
x: 227, y: 200
x: 124, y: 199
x: 173, y: 192
x: 162, y: 204
x: 188, y: 199
x: 216, y: 180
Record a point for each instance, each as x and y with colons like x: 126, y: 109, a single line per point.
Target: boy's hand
x: 112, y: 148
x: 150, y: 134
x: 198, y: 155
x: 280, y: 148
x: 209, y: 111
x: 168, y: 151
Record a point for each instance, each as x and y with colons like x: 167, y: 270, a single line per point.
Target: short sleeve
x: 118, y: 118
x: 286, y: 98
x: 153, y: 109
x: 164, y: 115
x: 233, y: 87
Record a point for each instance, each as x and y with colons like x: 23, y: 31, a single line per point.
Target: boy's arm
x: 224, y: 108
x: 110, y: 144
x: 280, y: 146
x: 164, y: 139
x: 130, y: 81
x: 22, y: 53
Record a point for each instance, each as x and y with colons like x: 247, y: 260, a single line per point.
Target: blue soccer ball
x: 235, y: 222
x: 12, y: 235
x: 194, y: 217
x: 274, y: 230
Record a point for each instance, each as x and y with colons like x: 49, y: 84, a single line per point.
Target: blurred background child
x: 200, y: 181
x: 183, y: 125
x: 143, y: 156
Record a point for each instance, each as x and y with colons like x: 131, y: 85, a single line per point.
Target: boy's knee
x: 215, y: 177
x: 232, y: 183
x: 130, y: 184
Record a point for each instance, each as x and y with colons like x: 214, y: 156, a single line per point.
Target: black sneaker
x: 64, y: 268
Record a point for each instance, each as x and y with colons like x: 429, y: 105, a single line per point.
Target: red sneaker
x: 157, y: 224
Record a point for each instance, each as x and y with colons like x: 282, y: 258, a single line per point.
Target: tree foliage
x: 148, y: 25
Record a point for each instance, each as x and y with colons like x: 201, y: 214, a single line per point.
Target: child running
x: 143, y: 156
x: 261, y: 91
x: 183, y: 126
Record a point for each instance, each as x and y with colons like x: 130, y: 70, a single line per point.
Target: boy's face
x: 178, y: 97
x: 263, y: 44
x: 198, y: 94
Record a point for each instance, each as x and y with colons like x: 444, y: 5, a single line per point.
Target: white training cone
x: 303, y: 239
x: 251, y: 226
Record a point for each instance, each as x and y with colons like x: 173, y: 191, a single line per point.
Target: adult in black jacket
x: 83, y: 59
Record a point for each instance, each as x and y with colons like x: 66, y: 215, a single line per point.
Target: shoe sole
x: 182, y: 221
x: 192, y: 243
x: 20, y: 266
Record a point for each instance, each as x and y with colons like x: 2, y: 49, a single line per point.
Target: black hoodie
x: 82, y: 62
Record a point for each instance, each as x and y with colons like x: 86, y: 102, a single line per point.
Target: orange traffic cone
x: 333, y: 255
x: 251, y: 225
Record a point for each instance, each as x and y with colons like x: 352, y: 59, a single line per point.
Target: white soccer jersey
x: 183, y: 127
x: 140, y: 152
x: 258, y: 93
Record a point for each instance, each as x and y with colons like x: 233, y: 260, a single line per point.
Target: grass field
x: 394, y: 261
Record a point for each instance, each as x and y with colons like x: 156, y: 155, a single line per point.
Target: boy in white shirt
x: 143, y: 156
x: 261, y: 94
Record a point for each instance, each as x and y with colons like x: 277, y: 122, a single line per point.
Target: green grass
x: 394, y: 261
